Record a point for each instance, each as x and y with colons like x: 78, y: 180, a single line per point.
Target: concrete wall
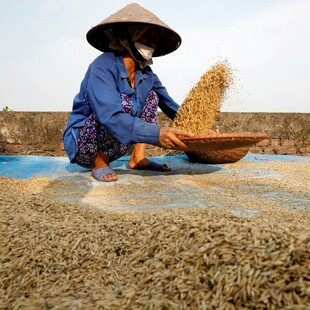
x: 289, y: 133
x: 40, y: 133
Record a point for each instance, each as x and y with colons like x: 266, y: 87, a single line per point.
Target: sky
x: 44, y: 53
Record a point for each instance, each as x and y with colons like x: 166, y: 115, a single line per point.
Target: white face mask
x: 145, y: 51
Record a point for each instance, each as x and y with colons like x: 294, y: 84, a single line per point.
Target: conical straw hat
x: 132, y: 14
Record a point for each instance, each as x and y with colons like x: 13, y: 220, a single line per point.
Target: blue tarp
x: 253, y: 183
x: 25, y: 167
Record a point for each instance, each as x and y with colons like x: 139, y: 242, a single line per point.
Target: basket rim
x: 225, y: 137
x: 218, y: 141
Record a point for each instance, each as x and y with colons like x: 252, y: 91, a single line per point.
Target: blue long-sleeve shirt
x: 105, y: 79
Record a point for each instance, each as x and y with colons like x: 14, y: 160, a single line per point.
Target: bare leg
x: 102, y: 161
x: 137, y: 154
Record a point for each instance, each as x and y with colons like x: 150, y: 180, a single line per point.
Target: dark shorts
x: 93, y: 137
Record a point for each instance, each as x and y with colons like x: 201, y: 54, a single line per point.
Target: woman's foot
x: 140, y: 162
x: 146, y: 164
x: 102, y: 161
x: 100, y: 174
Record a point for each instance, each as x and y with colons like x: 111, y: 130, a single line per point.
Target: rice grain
x: 201, y: 107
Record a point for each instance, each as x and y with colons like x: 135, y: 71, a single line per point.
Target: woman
x: 119, y: 95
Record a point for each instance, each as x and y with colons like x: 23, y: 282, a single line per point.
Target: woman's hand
x: 169, y: 138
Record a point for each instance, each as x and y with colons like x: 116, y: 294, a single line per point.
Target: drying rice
x: 201, y: 107
x: 57, y: 255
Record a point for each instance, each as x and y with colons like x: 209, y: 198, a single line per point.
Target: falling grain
x: 202, y: 105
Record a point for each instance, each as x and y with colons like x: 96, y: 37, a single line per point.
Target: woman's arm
x: 105, y: 99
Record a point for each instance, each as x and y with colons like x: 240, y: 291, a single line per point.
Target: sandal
x: 99, y: 173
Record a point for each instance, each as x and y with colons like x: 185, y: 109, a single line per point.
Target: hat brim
x: 98, y: 37
x: 222, y: 141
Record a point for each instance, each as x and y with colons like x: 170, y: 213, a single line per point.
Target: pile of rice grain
x: 201, y: 107
x: 62, y: 256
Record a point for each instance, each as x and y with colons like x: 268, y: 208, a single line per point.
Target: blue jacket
x: 105, y: 79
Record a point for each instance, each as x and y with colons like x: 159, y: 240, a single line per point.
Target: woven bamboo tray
x: 220, y: 148
x: 217, y: 156
x: 222, y: 141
